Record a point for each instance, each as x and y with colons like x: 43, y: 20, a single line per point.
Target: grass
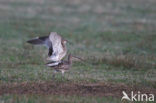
x: 116, y: 38
x: 55, y: 99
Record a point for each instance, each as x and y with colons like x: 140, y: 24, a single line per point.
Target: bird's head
x: 64, y: 41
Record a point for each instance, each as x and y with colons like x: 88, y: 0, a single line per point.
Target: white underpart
x: 57, y: 46
x: 53, y: 64
x: 54, y: 57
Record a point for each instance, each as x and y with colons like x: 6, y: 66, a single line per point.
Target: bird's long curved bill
x: 78, y: 58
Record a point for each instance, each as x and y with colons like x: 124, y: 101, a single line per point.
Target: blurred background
x: 116, y: 38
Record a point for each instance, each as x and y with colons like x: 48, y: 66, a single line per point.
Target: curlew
x: 64, y: 66
x: 56, y: 45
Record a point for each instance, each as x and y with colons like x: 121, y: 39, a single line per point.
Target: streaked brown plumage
x: 63, y: 66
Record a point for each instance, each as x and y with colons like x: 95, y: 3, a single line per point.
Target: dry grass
x: 126, y: 61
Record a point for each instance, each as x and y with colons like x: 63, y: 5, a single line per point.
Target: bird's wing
x: 52, y: 64
x: 41, y: 41
x: 56, y: 43
x: 44, y: 40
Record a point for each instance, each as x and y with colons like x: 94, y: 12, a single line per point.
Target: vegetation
x: 116, y: 38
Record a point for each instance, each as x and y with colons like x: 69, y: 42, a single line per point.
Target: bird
x: 56, y: 45
x: 65, y: 65
x: 62, y: 67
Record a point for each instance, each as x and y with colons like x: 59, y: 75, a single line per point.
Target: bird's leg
x: 68, y: 76
x: 53, y: 76
x: 62, y: 71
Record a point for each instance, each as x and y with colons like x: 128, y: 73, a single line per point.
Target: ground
x: 116, y: 38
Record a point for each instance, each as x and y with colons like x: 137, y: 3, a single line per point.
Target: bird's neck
x: 63, y: 45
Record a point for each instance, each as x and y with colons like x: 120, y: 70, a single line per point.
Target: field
x: 116, y: 38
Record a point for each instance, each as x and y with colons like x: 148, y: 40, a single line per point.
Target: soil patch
x: 68, y: 88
